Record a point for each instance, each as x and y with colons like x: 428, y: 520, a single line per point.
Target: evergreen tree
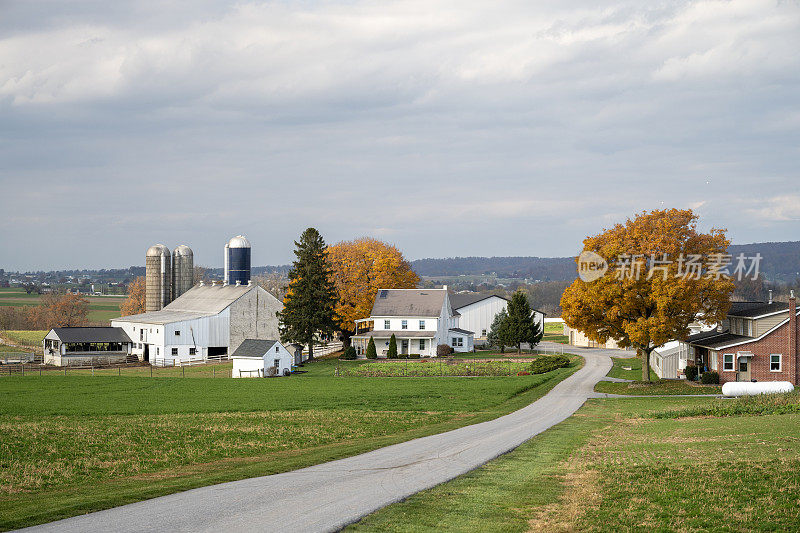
x: 311, y: 297
x: 392, y: 354
x: 497, y: 332
x: 372, y: 353
x: 520, y: 326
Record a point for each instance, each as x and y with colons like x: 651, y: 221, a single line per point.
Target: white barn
x: 207, y: 321
x: 255, y: 358
x: 476, y: 312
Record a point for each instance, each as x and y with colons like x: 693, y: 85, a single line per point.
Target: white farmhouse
x: 256, y: 358
x: 207, y: 321
x: 420, y: 320
x: 477, y: 312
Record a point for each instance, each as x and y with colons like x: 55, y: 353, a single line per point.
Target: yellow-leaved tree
x: 656, y: 285
x: 135, y: 303
x: 359, y: 268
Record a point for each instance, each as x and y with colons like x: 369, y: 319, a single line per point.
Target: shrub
x: 691, y: 373
x: 392, y: 353
x: 372, y: 353
x: 523, y: 373
x: 443, y: 350
x: 413, y: 356
x: 399, y: 356
x: 710, y: 378
x: 349, y: 354
x: 547, y: 363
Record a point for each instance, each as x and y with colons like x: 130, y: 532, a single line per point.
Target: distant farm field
x: 73, y: 444
x: 101, y: 308
x: 31, y: 337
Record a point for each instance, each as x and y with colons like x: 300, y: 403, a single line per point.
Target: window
x: 387, y: 324
x: 421, y: 324
x: 483, y: 333
x: 422, y: 344
x: 177, y: 333
x: 276, y: 348
x: 157, y: 350
x: 749, y: 328
x: 277, y: 363
x: 458, y: 341
x: 727, y: 362
x: 384, y: 294
x: 775, y: 362
x: 192, y: 351
x: 404, y: 324
x: 174, y: 351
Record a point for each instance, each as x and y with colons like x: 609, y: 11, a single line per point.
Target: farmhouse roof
x: 91, y: 334
x: 759, y: 310
x: 254, y: 348
x: 409, y: 302
x: 722, y: 339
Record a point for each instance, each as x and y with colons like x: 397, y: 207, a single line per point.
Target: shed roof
x: 91, y: 334
x: 464, y: 331
x: 253, y: 348
x: 409, y: 302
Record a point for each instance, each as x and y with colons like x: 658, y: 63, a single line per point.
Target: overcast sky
x: 447, y: 128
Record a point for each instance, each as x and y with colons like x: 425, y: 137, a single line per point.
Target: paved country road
x: 328, y: 496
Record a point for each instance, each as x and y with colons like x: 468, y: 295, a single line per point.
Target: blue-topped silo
x: 237, y: 260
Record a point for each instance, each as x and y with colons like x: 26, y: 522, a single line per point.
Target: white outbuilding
x: 256, y: 358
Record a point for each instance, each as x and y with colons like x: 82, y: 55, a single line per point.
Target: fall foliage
x: 361, y: 267
x: 59, y: 310
x: 135, y: 303
x: 644, y: 312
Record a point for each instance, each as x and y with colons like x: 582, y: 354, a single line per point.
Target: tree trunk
x: 310, y: 350
x: 519, y: 348
x: 645, y: 356
x: 346, y: 340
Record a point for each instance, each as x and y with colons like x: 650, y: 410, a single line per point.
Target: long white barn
x: 206, y: 321
x: 477, y: 312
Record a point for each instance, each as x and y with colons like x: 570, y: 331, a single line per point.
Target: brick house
x: 759, y: 341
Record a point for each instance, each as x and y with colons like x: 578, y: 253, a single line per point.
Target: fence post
x: 213, y: 372
x: 65, y: 371
x: 40, y: 372
x: 23, y: 369
x: 92, y: 370
x: 151, y: 371
x: 183, y: 371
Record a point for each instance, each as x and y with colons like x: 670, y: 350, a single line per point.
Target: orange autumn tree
x: 135, y: 303
x: 673, y: 287
x: 359, y: 268
x: 59, y: 310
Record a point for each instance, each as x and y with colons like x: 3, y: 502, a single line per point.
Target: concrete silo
x: 182, y: 270
x: 237, y: 260
x: 158, y: 278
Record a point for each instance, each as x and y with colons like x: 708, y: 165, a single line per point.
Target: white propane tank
x: 746, y: 388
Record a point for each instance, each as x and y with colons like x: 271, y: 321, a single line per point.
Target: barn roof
x: 199, y: 301
x: 91, y: 334
x: 463, y: 299
x: 253, y: 348
x: 409, y: 302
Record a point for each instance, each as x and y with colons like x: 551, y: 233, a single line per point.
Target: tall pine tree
x: 520, y: 326
x: 308, y: 310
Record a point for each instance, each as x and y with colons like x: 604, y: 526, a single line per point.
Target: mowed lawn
x: 74, y: 444
x: 615, y: 466
x: 631, y: 368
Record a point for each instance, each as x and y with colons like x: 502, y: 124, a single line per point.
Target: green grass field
x: 631, y: 368
x: 101, y: 308
x: 69, y: 445
x: 614, y: 467
x: 25, y: 337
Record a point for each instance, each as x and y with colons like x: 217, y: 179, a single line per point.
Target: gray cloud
x: 449, y: 128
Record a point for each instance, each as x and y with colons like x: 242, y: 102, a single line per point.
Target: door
x: 404, y: 346
x: 147, y: 352
x: 744, y: 369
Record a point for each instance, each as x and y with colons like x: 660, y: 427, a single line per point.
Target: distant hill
x: 780, y: 262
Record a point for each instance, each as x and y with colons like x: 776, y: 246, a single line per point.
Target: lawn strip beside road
x: 612, y: 466
x: 345, y: 416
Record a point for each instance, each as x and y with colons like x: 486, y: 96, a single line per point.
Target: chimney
x: 770, y: 296
x: 793, y: 349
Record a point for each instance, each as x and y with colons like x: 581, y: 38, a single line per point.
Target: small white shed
x: 256, y: 358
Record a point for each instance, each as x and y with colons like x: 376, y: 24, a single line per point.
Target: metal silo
x: 237, y: 260
x: 182, y: 270
x: 158, y: 278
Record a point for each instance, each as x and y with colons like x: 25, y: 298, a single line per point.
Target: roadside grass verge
x: 613, y: 467
x: 440, y: 367
x: 628, y: 368
x: 659, y: 387
x: 764, y: 404
x: 76, y: 444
